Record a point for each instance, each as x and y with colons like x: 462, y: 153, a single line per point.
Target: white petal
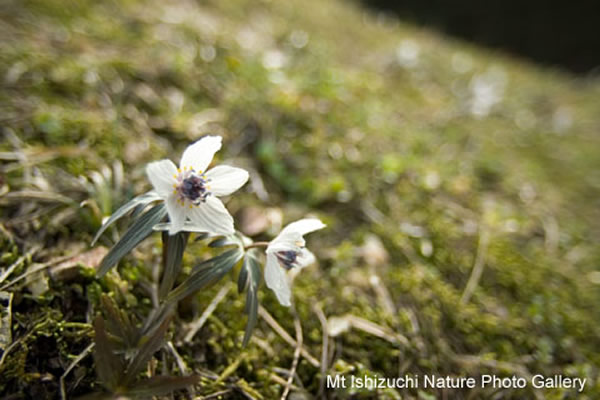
x: 277, y: 280
x: 304, y: 226
x: 212, y: 216
x: 200, y: 154
x: 177, y: 213
x: 291, y: 235
x: 225, y: 180
x: 162, y: 176
x: 283, y: 245
x: 305, y: 258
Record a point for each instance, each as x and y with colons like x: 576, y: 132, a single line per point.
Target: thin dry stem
x: 199, y: 323
x: 477, y: 270
x: 286, y: 336
x: 299, y: 340
x: 77, y: 360
x: 324, y: 348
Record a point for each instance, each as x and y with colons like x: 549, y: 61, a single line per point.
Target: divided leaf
x: 149, y: 345
x: 118, y: 323
x: 138, y: 231
x: 207, y: 273
x: 108, y: 365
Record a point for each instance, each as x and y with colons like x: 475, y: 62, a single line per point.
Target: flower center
x: 192, y: 186
x: 287, y: 258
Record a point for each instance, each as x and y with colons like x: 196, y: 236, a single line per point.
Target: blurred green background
x: 428, y: 158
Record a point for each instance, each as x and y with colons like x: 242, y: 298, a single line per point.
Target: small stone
x: 69, y: 269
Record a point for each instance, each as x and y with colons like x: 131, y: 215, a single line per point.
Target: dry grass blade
x: 338, y: 325
x: 299, y: 341
x: 477, y: 271
x: 77, y: 360
x: 199, y: 323
x: 216, y: 395
x: 324, y: 348
x: 16, y: 265
x: 383, y: 295
x: 28, y: 195
x: 268, y: 318
x: 280, y: 381
x: 178, y: 359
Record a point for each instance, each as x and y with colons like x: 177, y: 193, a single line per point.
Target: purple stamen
x: 287, y: 258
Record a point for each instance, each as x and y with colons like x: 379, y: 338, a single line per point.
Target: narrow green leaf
x: 147, y: 347
x: 108, y: 366
x: 220, y: 242
x: 243, y: 278
x: 251, y: 266
x: 173, y: 248
x: 231, y: 240
x: 201, y: 236
x: 161, y: 385
x: 138, y: 231
x: 206, y: 273
x: 124, y: 209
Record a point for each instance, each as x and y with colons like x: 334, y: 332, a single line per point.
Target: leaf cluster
x: 122, y: 351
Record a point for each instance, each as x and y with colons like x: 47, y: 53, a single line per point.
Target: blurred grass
x: 377, y: 127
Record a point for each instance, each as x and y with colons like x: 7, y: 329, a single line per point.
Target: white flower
x: 191, y: 191
x: 287, y: 251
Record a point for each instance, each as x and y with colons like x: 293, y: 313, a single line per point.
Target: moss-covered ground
x: 430, y: 160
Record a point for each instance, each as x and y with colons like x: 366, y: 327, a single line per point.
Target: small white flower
x: 191, y: 192
x: 287, y: 251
